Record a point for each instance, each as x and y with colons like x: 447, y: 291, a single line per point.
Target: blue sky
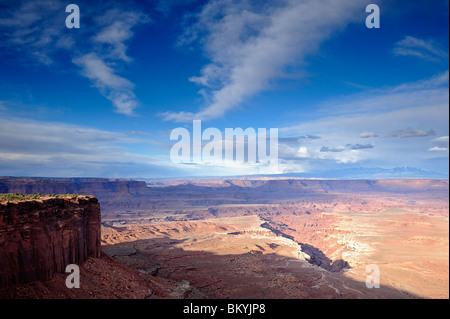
x: 101, y: 100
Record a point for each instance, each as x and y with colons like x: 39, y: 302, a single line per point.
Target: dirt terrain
x: 231, y: 258
x: 304, y: 247
x: 100, y: 278
x: 258, y: 238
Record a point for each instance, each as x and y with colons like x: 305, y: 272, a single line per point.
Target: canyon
x: 260, y: 237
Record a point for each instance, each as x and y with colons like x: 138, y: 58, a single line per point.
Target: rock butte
x: 41, y: 237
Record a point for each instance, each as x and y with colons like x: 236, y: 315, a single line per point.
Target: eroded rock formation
x: 41, y: 237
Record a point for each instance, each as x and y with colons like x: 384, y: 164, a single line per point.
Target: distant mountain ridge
x: 125, y: 195
x: 370, y: 173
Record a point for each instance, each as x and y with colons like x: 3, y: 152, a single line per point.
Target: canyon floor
x: 315, y: 246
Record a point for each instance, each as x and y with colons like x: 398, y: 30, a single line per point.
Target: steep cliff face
x: 41, y: 237
x: 113, y: 194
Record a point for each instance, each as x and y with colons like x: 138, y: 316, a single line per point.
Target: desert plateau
x: 258, y: 239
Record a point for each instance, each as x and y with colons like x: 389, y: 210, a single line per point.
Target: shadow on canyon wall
x: 318, y: 258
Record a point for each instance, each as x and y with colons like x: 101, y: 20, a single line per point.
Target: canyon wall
x: 112, y: 193
x: 41, y: 237
x: 99, y: 187
x: 124, y: 197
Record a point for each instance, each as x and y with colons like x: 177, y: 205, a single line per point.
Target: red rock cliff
x: 41, y: 237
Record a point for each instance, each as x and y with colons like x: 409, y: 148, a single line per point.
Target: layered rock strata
x: 41, y: 237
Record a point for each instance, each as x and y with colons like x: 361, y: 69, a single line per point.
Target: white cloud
x: 427, y: 50
x: 438, y: 149
x: 302, y: 152
x: 36, y: 148
x: 116, y: 30
x: 289, y: 152
x: 250, y: 45
x: 430, y: 91
x: 417, y: 104
x: 110, y: 49
x: 95, y: 69
x: 351, y: 156
x: 441, y: 141
x: 230, y: 168
x: 421, y: 106
x: 442, y: 144
x: 117, y: 89
x: 36, y: 29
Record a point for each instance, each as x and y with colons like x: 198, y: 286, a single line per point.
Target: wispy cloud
x: 438, y: 149
x: 441, y: 141
x: 421, y: 107
x: 36, y: 29
x: 250, y: 44
x: 424, y: 49
x: 367, y: 134
x: 110, y: 48
x: 38, y: 148
x: 33, y: 28
x: 429, y: 91
x: 442, y: 144
x: 360, y: 146
x: 117, y: 89
x: 354, y: 147
x: 298, y: 139
x: 412, y: 132
x: 334, y: 149
x: 116, y: 29
x: 102, y: 75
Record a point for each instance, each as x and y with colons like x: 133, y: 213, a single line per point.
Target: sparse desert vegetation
x: 17, y: 197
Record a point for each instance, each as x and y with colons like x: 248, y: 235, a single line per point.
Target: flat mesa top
x: 16, y: 197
